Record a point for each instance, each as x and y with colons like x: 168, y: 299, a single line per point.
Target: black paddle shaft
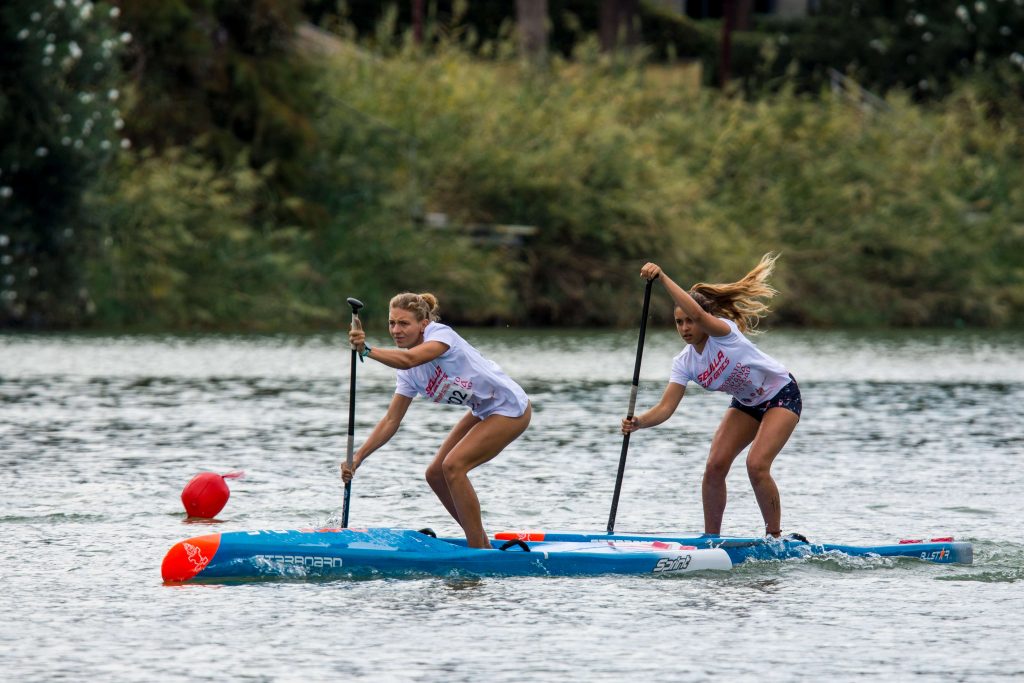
x: 632, y: 406
x: 356, y: 304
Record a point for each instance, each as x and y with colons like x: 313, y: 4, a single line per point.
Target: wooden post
x: 532, y: 24
x: 417, y: 21
x: 728, y: 23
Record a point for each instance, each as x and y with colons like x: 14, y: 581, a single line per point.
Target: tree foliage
x: 182, y: 245
x: 273, y: 171
x: 222, y: 75
x: 923, y: 48
x: 60, y: 110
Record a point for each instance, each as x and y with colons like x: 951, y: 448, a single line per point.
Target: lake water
x: 904, y: 435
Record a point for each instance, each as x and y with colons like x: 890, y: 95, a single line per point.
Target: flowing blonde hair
x: 424, y: 306
x: 742, y: 301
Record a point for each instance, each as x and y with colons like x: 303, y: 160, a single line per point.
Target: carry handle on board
x: 632, y: 406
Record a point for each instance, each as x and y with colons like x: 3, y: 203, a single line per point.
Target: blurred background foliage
x: 247, y: 164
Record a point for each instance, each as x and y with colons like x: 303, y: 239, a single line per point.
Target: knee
x: 435, y: 474
x: 451, y: 469
x: 717, y: 468
x: 759, y: 470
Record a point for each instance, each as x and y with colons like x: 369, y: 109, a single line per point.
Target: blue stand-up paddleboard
x: 386, y: 552
x: 359, y: 553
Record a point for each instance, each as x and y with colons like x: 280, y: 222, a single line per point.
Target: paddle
x: 632, y: 407
x: 356, y: 304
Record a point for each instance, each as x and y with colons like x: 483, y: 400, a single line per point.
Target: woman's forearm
x: 653, y: 417
x: 381, y: 434
x: 398, y: 359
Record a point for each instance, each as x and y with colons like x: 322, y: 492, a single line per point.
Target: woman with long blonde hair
x: 766, y: 402
x: 433, y: 361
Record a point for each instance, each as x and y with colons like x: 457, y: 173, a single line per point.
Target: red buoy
x: 207, y: 494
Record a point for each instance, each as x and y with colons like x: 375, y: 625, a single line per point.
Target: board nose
x: 185, y: 560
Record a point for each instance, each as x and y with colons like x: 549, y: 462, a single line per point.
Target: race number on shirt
x: 451, y: 391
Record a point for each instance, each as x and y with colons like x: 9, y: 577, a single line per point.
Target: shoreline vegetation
x: 521, y: 195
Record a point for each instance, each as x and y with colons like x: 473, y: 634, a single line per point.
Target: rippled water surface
x: 904, y: 435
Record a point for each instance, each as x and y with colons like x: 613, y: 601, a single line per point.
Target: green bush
x: 903, y: 217
x: 181, y: 248
x: 501, y: 144
x: 907, y: 216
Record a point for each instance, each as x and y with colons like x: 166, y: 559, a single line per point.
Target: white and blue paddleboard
x: 945, y: 550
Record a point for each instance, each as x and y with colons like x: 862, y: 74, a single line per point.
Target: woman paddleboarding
x: 433, y: 361
x: 766, y: 403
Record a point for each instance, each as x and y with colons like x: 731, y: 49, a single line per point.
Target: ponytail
x: 742, y: 301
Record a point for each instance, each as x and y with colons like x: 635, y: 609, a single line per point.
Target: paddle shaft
x: 351, y: 436
x: 632, y: 407
x: 356, y: 305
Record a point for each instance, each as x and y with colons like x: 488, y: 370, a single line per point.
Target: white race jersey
x: 731, y: 364
x: 462, y: 377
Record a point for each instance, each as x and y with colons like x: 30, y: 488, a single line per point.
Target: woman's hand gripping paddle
x: 632, y: 407
x: 356, y: 304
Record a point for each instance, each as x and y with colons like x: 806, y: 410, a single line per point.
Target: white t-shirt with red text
x: 461, y: 376
x: 731, y: 364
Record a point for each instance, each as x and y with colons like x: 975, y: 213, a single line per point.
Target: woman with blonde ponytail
x: 766, y: 403
x: 433, y: 361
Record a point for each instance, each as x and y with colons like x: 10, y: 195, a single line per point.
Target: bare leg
x: 735, y: 432
x: 776, y: 427
x: 435, y: 470
x: 484, y: 441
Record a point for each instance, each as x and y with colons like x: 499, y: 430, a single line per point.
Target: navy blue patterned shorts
x: 788, y: 397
